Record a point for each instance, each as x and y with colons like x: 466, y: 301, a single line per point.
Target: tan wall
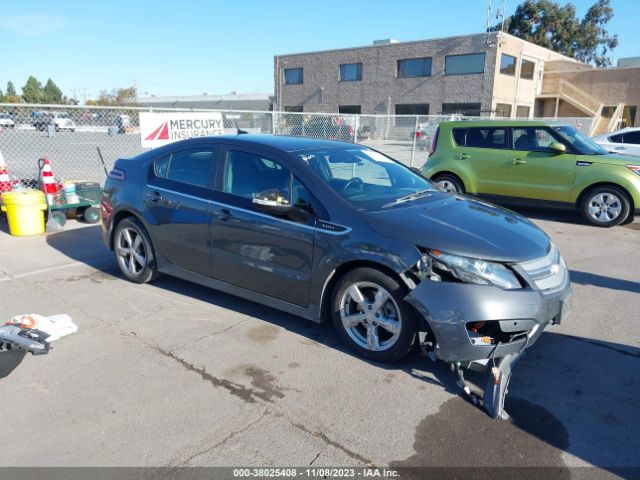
x: 564, y: 109
x: 514, y: 90
x: 609, y: 85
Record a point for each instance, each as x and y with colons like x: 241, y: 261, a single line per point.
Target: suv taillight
x: 434, y: 142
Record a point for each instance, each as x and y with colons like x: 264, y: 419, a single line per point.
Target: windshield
x: 366, y: 178
x: 580, y: 142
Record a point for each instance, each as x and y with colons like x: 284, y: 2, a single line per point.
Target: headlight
x: 472, y: 270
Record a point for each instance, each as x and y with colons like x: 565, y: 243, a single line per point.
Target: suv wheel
x: 371, y: 317
x: 605, y: 206
x: 134, y: 251
x: 449, y: 183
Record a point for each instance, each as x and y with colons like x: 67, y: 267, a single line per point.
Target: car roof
x: 502, y: 123
x: 280, y: 142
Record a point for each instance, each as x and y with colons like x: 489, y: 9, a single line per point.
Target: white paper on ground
x: 56, y: 326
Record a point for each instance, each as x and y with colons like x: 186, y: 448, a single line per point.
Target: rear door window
x: 190, y: 167
x: 481, y: 137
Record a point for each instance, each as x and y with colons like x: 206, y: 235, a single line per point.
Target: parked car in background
x: 59, y: 120
x: 62, y: 121
x: 537, y: 163
x: 332, y: 128
x: 123, y: 122
x: 324, y: 229
x: 6, y: 121
x: 624, y: 142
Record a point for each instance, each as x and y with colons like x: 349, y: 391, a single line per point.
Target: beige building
x: 490, y: 74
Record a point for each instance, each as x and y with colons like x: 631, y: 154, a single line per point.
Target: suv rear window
x: 480, y: 137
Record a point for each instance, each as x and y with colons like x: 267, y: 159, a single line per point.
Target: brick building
x: 490, y: 74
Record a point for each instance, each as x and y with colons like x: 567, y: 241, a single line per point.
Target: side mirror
x: 272, y: 201
x: 558, y: 147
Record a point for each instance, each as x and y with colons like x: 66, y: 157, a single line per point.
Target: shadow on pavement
x: 568, y: 394
x: 586, y: 278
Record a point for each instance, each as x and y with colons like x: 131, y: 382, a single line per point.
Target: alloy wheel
x: 370, y: 316
x: 131, y: 252
x: 604, y: 207
x: 447, y: 186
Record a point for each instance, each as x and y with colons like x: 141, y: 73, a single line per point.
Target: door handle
x: 224, y: 215
x: 463, y: 156
x: 518, y: 161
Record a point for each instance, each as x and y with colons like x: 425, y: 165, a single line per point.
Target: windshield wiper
x: 412, y: 196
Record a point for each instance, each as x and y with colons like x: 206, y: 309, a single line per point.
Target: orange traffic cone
x: 5, y: 182
x: 48, y: 183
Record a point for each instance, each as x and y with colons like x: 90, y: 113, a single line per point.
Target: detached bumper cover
x: 448, y: 307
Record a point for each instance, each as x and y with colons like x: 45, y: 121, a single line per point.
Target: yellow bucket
x: 24, y: 211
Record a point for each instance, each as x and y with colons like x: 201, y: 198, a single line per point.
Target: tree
x: 550, y: 25
x: 11, y: 96
x: 117, y: 97
x: 1, y: 96
x: 32, y: 91
x: 52, y: 94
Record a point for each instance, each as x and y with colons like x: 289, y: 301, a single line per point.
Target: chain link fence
x: 81, y: 142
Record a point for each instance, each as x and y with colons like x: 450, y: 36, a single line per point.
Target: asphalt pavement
x: 175, y: 374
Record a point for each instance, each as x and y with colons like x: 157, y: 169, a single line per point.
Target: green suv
x: 529, y: 162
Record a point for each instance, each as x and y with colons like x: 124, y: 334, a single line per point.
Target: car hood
x: 463, y: 226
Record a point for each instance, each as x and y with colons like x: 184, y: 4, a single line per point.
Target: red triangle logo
x: 160, y: 133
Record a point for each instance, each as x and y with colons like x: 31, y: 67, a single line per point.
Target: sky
x: 188, y: 47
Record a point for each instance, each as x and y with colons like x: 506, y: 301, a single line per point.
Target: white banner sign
x: 158, y: 129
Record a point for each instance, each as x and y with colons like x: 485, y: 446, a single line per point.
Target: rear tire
x: 449, y: 183
x: 605, y: 206
x: 134, y: 251
x: 371, y: 317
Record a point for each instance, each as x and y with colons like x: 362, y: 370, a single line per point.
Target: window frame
x: 533, y: 69
x: 447, y: 57
x: 514, y: 64
x: 554, y: 135
x: 507, y: 137
x: 509, y: 108
x: 359, y: 71
x: 182, y: 187
x: 423, y: 59
x: 411, y: 105
x: 237, y: 201
x: 284, y: 75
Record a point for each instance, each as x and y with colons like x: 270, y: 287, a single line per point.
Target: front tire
x: 134, y: 251
x: 371, y: 317
x: 605, y: 206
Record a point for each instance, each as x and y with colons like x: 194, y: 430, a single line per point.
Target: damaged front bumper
x: 484, y: 327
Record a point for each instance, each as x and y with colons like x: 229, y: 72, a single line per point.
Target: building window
x: 526, y: 69
x: 294, y: 108
x: 412, y: 109
x: 464, y: 64
x: 350, y: 72
x: 507, y: 64
x: 414, y: 67
x: 293, y: 76
x: 503, y: 110
x: 467, y: 109
x: 522, y: 111
x: 349, y: 109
